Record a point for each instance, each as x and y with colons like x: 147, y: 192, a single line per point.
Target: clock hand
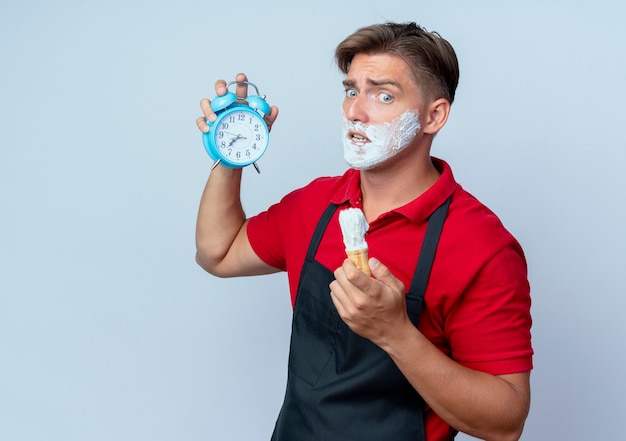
x: 232, y: 141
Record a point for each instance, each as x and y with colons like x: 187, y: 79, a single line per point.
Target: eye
x: 385, y: 98
x: 351, y: 93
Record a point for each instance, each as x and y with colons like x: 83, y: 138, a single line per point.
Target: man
x: 437, y: 340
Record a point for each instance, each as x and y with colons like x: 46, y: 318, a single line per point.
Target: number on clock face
x: 241, y: 137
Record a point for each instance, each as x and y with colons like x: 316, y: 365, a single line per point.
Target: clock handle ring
x: 257, y: 102
x: 248, y: 83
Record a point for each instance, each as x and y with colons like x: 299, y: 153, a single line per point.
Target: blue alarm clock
x: 239, y: 136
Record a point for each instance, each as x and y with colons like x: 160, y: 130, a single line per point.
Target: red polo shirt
x: 477, y: 302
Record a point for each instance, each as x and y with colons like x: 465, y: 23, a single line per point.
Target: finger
x: 337, y: 295
x: 202, y: 125
x: 350, y: 302
x: 342, y: 301
x: 271, y: 117
x: 344, y: 276
x: 382, y: 274
x: 355, y: 276
x: 241, y: 89
x: 351, y: 285
x: 207, y: 111
x: 220, y: 87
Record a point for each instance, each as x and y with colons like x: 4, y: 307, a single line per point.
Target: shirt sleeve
x: 264, y: 235
x: 489, y: 327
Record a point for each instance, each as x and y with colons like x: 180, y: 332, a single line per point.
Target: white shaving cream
x: 383, y: 140
x: 353, y: 227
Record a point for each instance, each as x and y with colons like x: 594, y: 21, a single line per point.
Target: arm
x: 222, y: 244
x: 482, y: 405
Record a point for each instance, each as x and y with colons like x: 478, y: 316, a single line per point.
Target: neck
x: 396, y: 184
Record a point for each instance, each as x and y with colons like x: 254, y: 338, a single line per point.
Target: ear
x: 437, y: 115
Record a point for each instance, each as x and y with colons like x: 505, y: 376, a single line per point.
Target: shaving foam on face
x: 353, y: 227
x: 383, y: 140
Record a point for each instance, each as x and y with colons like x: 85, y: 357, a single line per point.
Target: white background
x: 108, y: 328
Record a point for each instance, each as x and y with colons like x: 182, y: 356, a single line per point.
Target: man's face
x: 381, y: 110
x: 379, y: 88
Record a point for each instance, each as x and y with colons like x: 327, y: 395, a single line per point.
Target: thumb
x: 381, y: 273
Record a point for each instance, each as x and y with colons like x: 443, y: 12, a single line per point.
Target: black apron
x: 340, y: 386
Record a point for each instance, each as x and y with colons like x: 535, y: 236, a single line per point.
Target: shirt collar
x: 418, y: 210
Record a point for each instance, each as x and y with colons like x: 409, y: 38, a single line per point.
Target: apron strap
x: 319, y: 230
x: 425, y: 261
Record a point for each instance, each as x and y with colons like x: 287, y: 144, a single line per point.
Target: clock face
x: 241, y: 137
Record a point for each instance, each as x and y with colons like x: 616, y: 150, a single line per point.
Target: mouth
x: 357, y: 138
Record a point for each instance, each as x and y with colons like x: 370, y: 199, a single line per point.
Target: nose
x: 355, y: 109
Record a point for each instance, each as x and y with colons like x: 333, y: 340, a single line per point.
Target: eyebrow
x: 373, y: 82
